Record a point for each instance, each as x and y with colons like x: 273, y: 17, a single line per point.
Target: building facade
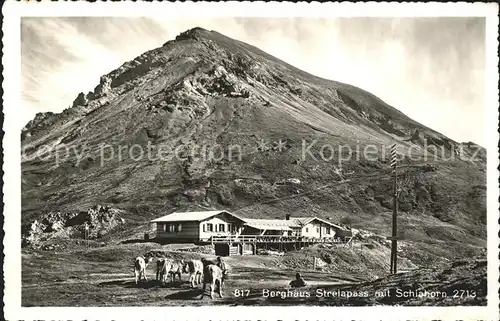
x: 314, y: 227
x: 197, y: 226
x: 201, y: 227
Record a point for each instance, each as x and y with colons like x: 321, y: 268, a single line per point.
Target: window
x: 317, y: 230
x: 327, y: 230
x: 230, y: 227
x: 210, y: 227
x: 307, y: 229
x: 179, y: 227
x: 222, y: 227
x: 171, y: 228
x: 165, y: 227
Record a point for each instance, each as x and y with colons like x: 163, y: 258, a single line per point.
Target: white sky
x: 432, y: 69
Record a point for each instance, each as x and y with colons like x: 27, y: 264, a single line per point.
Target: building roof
x: 305, y: 220
x: 261, y: 224
x: 265, y: 224
x: 191, y: 216
x: 281, y: 225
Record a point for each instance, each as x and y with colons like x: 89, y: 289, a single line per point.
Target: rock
x: 81, y: 100
x: 417, y: 137
x: 193, y: 34
x: 429, y: 168
x: 220, y: 71
x: 100, y: 219
x: 293, y: 180
x: 48, y: 248
x: 104, y: 86
x: 195, y: 194
x: 225, y: 196
x: 404, y: 206
x: 57, y: 225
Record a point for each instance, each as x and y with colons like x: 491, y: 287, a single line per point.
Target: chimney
x: 288, y: 217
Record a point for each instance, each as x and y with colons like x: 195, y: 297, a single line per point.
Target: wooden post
x: 86, y: 235
x: 394, y: 242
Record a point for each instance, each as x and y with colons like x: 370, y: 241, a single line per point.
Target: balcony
x: 275, y: 239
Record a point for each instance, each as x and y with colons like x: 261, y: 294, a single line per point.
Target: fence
x: 274, y: 239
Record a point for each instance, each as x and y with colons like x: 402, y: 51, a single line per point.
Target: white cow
x: 195, y: 270
x: 173, y: 268
x: 140, y: 264
x: 167, y: 267
x: 213, y: 275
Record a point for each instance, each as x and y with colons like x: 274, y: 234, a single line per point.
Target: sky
x: 431, y: 69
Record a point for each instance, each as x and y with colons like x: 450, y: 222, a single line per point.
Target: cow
x: 173, y: 268
x: 195, y: 270
x: 161, y: 269
x: 223, y: 266
x: 212, y: 274
x: 140, y: 264
x: 206, y: 262
x: 166, y: 267
x: 219, y: 262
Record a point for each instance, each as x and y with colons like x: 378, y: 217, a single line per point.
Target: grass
x: 104, y: 277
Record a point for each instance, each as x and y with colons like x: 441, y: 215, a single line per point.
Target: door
x: 222, y: 249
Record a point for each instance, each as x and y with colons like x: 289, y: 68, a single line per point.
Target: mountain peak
x: 214, y: 65
x: 194, y: 33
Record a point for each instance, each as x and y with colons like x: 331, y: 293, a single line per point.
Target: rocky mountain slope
x: 457, y: 283
x: 211, y: 112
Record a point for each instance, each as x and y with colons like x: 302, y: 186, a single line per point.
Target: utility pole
x: 394, y: 238
x: 86, y: 235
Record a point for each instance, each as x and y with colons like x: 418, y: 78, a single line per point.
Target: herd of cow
x: 198, y: 270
